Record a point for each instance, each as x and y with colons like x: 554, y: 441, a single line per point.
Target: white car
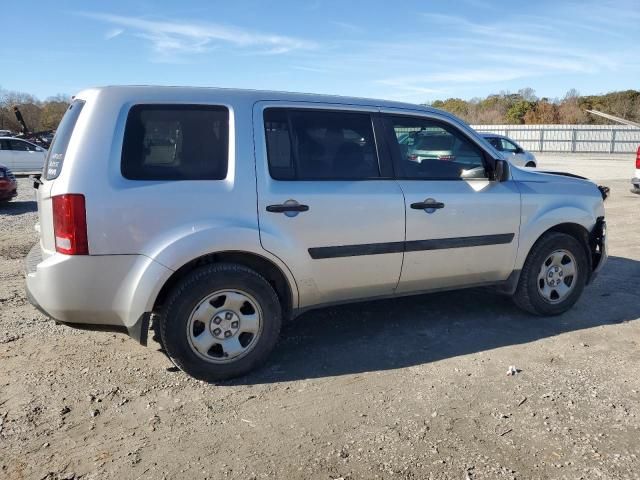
x: 510, y: 150
x: 222, y: 213
x: 21, y: 156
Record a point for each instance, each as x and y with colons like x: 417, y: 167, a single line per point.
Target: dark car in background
x: 8, y: 184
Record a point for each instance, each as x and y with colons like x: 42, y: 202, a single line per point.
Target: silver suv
x: 219, y: 214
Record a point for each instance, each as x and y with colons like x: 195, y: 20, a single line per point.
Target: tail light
x: 638, y: 159
x: 70, y: 224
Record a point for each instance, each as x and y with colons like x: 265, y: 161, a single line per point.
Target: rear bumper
x: 102, y: 292
x: 8, y: 192
x: 635, y: 185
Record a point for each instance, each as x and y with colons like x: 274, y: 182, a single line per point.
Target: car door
x: 513, y: 152
x: 462, y: 227
x: 6, y: 154
x: 27, y: 157
x: 327, y: 206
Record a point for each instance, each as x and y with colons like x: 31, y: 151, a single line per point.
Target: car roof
x: 134, y: 91
x: 491, y: 135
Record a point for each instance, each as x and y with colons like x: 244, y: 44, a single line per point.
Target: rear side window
x: 176, y: 142
x: 58, y: 148
x: 320, y: 145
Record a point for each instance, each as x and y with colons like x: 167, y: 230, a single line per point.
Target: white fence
x: 570, y: 138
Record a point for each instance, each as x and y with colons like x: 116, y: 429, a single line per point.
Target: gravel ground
x: 409, y: 388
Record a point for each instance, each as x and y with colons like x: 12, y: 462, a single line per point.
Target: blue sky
x: 411, y: 51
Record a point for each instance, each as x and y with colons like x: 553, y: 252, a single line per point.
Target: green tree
x: 517, y: 111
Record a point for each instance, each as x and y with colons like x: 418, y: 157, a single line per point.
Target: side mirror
x: 500, y: 170
x: 519, y: 150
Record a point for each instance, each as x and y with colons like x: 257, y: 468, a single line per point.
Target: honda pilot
x: 219, y: 214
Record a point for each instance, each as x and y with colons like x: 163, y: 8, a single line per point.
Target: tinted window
x: 176, y: 142
x: 428, y: 149
x: 58, y: 148
x: 320, y: 145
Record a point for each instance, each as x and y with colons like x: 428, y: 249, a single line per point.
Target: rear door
x: 462, y: 227
x: 27, y: 157
x: 327, y: 205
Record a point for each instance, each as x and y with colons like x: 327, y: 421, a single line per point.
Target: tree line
x: 38, y: 114
x: 525, y: 107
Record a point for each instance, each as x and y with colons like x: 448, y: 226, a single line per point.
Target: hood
x: 528, y: 175
x: 542, y: 176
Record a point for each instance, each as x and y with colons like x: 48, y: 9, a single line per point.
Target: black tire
x: 190, y: 291
x: 528, y: 296
x: 530, y: 165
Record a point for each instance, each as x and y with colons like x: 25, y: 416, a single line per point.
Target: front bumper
x: 635, y: 185
x: 100, y: 292
x: 599, y: 249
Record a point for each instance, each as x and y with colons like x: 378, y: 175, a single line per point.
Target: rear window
x: 176, y: 142
x: 58, y: 148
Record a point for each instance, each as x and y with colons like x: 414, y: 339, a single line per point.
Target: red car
x: 8, y: 184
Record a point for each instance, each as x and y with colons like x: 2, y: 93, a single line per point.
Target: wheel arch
x: 575, y: 230
x: 286, y: 291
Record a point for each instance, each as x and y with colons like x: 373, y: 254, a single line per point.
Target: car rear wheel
x: 553, y: 275
x: 530, y: 165
x: 221, y: 321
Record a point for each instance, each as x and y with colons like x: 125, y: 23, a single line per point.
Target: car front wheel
x: 553, y: 275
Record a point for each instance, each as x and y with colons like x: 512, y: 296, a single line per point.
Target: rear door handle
x: 427, y: 204
x: 287, y: 207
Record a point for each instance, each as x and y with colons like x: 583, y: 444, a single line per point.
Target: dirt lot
x: 409, y: 388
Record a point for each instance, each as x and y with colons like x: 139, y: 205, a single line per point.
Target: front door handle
x: 290, y: 207
x: 427, y: 205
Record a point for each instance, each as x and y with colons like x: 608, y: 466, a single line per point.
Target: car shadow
x: 403, y: 332
x: 17, y: 207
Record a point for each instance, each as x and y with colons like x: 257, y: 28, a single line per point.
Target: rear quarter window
x: 176, y: 142
x: 58, y: 148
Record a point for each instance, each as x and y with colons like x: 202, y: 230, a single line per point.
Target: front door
x: 513, y: 152
x: 324, y: 205
x: 462, y: 227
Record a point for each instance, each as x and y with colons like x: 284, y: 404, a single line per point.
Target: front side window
x: 428, y: 149
x: 508, y: 146
x: 176, y: 142
x: 495, y: 142
x: 320, y: 145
